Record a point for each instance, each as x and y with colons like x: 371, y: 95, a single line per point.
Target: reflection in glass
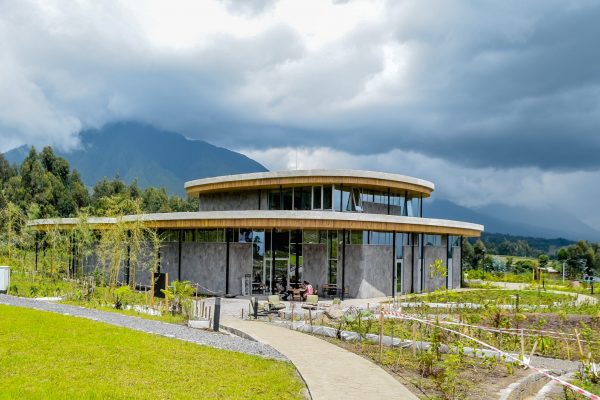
x: 288, y: 197
x: 275, y: 199
x: 327, y: 197
x: 337, y: 199
x: 317, y: 205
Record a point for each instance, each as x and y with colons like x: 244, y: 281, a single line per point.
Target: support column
x: 179, y: 256
x: 37, y: 247
x: 343, y: 263
x: 297, y: 247
x: 394, y: 272
x: 127, y: 272
x: 228, y: 240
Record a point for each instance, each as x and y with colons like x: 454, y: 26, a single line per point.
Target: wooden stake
x: 414, y: 338
x: 579, y: 343
x: 152, y: 290
x: 166, y: 290
x: 522, y: 345
x: 381, y: 334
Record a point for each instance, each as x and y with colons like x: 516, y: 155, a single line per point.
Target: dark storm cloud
x: 502, y: 84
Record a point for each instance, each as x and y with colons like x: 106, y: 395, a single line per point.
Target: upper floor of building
x: 325, y: 190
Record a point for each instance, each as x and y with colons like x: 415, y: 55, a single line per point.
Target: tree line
x: 578, y: 259
x: 45, y: 186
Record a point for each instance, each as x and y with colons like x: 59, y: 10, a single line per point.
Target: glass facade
x: 277, y: 255
x: 344, y: 199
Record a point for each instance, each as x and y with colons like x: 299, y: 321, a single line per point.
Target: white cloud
x: 525, y: 187
x: 493, y: 101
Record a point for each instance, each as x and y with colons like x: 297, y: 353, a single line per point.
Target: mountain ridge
x: 152, y: 156
x: 161, y: 158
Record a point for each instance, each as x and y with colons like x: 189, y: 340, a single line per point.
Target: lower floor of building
x: 361, y: 264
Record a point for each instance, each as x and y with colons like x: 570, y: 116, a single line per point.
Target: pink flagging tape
x: 577, y: 389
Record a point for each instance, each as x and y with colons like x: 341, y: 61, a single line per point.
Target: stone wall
x: 368, y: 270
x: 432, y: 253
x: 407, y: 269
x: 457, y: 269
x: 230, y: 201
x: 240, y: 264
x: 315, y: 264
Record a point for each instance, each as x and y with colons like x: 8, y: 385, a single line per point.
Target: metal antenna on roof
x: 296, y: 158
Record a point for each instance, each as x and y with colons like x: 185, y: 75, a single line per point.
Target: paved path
x: 207, y: 338
x: 329, y: 371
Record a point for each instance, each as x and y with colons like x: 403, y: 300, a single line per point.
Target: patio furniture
x: 261, y: 310
x: 274, y: 303
x: 311, y: 303
x: 296, y: 294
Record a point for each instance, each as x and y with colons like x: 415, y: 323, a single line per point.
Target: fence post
x: 217, y: 315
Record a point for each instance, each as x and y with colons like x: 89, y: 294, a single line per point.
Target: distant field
x: 515, y: 258
x: 52, y: 356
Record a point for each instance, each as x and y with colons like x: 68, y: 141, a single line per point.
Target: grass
x: 51, y: 356
x: 526, y: 297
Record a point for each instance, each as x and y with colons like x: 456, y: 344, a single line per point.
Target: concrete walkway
x: 329, y: 371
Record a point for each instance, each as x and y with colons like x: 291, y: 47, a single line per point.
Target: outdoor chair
x: 312, y: 302
x: 261, y: 311
x: 274, y: 303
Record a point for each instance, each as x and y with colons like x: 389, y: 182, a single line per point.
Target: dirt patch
x: 475, y: 378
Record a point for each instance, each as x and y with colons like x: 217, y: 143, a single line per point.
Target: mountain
x: 165, y: 159
x: 545, y: 222
x: 153, y: 156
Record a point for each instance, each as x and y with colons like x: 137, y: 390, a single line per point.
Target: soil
x: 475, y: 381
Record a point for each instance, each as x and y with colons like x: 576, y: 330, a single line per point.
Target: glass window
x: 306, y: 198
x: 332, y: 244
x: 311, y: 237
x: 281, y: 244
x: 354, y: 237
x: 432, y: 240
x: 337, y: 199
x: 409, y: 208
x: 401, y: 239
x: 347, y: 204
x: 332, y: 272
x: 396, y: 205
x: 288, y: 198
x: 366, y: 195
x: 356, y: 200
x: 380, y: 238
x: 327, y: 197
x: 317, y: 205
x: 416, y: 206
x: 246, y: 236
x: 275, y: 199
x: 169, y: 235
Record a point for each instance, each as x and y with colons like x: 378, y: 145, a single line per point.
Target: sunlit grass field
x: 51, y: 356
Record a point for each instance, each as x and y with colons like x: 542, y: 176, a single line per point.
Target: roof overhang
x: 271, y: 219
x: 398, y: 184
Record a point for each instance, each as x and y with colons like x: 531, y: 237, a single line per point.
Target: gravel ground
x: 213, y: 339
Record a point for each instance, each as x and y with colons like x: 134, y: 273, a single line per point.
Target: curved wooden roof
x: 309, y: 220
x: 398, y: 184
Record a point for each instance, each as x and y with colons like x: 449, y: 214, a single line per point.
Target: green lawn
x: 46, y: 355
x: 529, y: 297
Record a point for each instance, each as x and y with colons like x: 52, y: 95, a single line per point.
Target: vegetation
x: 522, y: 246
x: 44, y: 186
x: 579, y: 259
x: 58, y: 357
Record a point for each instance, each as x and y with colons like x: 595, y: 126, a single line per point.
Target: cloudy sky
x: 493, y: 101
